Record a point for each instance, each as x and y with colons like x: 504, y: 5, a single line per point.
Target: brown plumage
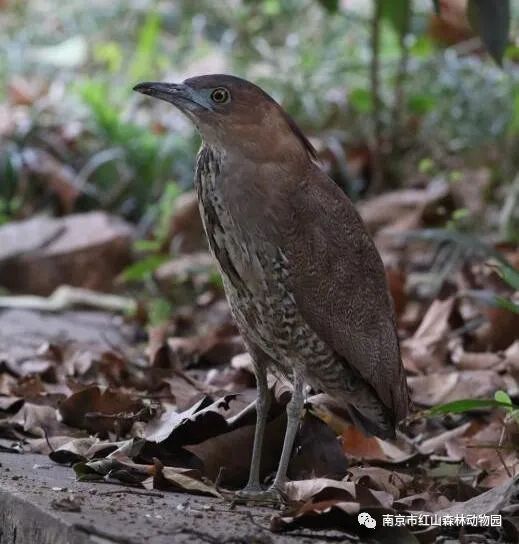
x: 304, y: 280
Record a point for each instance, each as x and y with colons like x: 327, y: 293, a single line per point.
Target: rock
x: 83, y: 250
x: 114, y: 513
x: 24, y: 334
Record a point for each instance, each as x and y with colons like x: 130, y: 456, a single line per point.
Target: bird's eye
x: 220, y: 95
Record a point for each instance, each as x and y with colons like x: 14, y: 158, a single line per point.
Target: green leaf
x: 147, y: 43
x: 426, y: 166
x: 147, y: 245
x: 437, y: 7
x: 420, y: 104
x: 143, y: 269
x: 491, y: 299
x: 159, y: 312
x: 271, y: 7
x: 466, y: 405
x: 508, y: 273
x: 361, y: 100
x: 397, y: 13
x: 109, y: 53
x: 502, y: 396
x: 332, y: 6
x: 507, y: 304
x: 491, y: 20
x: 165, y: 210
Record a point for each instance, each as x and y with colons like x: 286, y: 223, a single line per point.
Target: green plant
x: 153, y: 250
x: 467, y: 405
x: 501, y: 400
x: 149, y: 156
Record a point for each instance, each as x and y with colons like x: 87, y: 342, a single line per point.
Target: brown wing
x: 338, y: 281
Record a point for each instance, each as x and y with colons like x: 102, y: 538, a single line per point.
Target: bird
x: 303, y: 278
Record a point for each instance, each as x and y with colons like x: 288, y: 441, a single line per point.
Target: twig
x: 96, y: 531
x: 251, y: 519
x: 219, y: 478
x: 66, y: 297
x: 133, y: 492
x: 95, y: 162
x: 375, y: 94
x: 46, y: 435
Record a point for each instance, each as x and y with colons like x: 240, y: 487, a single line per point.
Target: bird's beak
x: 178, y: 94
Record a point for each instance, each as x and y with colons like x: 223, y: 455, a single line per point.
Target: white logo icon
x: 366, y: 520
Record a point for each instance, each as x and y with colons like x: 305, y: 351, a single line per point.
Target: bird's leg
x: 273, y: 495
x: 253, y: 486
x: 294, y: 408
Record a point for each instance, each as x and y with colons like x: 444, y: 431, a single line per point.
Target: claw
x: 260, y: 497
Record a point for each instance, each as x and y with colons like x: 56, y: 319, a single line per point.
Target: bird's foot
x: 257, y: 496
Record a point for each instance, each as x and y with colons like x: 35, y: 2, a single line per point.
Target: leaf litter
x: 176, y: 412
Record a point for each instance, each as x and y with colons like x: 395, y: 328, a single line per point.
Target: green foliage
x: 145, y: 57
x: 507, y: 272
x: 153, y: 249
x: 149, y: 156
x: 312, y: 55
x: 511, y: 409
x: 159, y: 311
x: 426, y: 166
x: 397, y: 13
x: 502, y: 400
x: 420, y: 104
x: 491, y: 299
x: 143, y: 269
x: 110, y: 54
x: 361, y: 99
x: 491, y: 20
x: 330, y: 5
x: 8, y: 209
x: 164, y: 211
x: 11, y: 201
x: 460, y: 220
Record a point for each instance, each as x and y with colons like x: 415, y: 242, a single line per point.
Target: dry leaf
x: 359, y: 446
x: 203, y: 420
x: 101, y: 411
x: 442, y: 388
x: 232, y: 452
x: 181, y: 479
x: 428, y: 346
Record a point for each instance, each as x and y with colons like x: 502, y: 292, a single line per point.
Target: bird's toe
x: 272, y: 496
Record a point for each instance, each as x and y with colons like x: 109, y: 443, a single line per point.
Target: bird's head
x: 236, y: 115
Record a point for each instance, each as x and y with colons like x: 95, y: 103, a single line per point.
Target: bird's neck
x: 250, y: 191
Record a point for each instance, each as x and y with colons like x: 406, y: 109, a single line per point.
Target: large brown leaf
x: 102, y: 411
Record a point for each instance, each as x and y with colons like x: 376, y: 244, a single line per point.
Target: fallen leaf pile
x: 174, y: 409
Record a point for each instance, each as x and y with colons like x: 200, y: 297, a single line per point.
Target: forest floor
x: 166, y: 407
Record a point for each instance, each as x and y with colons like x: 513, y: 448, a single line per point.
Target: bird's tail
x: 378, y: 422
